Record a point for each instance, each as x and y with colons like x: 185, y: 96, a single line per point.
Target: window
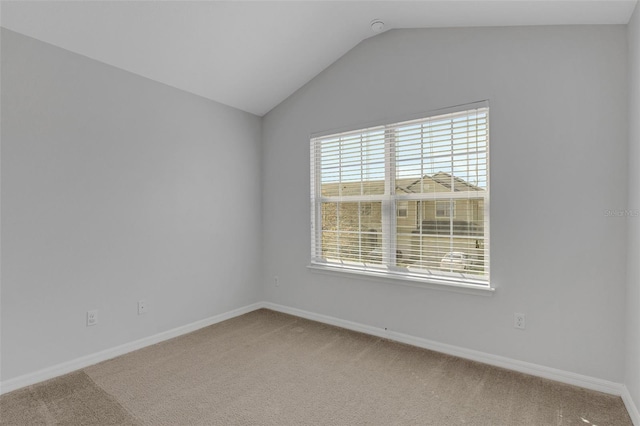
x: 405, y: 200
x: 403, y: 208
x: 446, y: 208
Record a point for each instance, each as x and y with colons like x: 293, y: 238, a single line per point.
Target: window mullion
x: 452, y: 183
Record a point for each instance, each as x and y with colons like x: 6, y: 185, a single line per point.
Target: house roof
x: 438, y: 182
x: 459, y: 184
x: 253, y: 55
x: 442, y: 179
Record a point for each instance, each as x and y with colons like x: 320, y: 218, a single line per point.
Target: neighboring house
x: 426, y: 230
x: 470, y: 210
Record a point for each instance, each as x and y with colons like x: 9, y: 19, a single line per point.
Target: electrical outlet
x: 276, y: 280
x: 92, y: 317
x: 142, y: 307
x: 518, y: 321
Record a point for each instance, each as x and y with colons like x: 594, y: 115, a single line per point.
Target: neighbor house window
x: 403, y: 208
x: 406, y: 200
x: 446, y: 208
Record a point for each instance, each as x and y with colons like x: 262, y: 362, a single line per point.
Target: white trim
x: 587, y: 382
x: 330, y: 152
x: 632, y: 408
x: 485, y: 358
x: 85, y: 361
x: 411, y: 280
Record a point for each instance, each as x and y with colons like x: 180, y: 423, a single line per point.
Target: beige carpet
x: 267, y: 368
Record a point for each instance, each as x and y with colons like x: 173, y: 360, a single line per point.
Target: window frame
x: 389, y: 201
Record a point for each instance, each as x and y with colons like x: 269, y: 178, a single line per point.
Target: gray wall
x: 632, y: 379
x: 116, y: 188
x: 558, y: 154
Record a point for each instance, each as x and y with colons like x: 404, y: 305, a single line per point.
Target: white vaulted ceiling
x: 253, y: 55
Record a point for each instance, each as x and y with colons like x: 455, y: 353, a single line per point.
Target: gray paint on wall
x: 558, y: 155
x: 116, y: 188
x: 632, y: 377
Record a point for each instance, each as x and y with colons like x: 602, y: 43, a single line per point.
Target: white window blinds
x: 408, y: 199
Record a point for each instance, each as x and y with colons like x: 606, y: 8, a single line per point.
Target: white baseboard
x: 632, y: 408
x: 498, y: 361
x: 485, y: 358
x: 85, y: 361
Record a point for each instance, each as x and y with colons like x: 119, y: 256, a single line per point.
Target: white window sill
x: 404, y: 279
